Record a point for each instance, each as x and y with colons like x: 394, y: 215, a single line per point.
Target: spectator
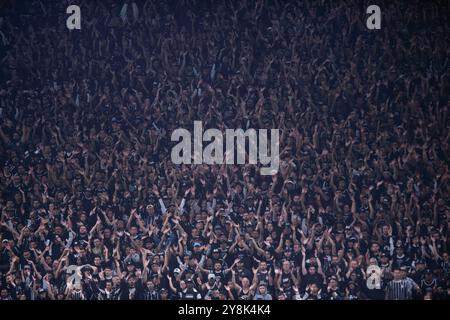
x: 87, y: 184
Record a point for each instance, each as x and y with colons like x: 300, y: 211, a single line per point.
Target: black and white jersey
x: 428, y: 285
x: 77, y: 295
x: 109, y: 295
x: 245, y: 295
x: 151, y: 294
x: 263, y: 277
x: 190, y: 294
x: 399, y: 290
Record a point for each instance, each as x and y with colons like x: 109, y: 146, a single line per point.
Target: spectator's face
x: 312, y: 270
x: 116, y: 280
x: 120, y: 225
x: 150, y: 285
x: 17, y: 198
x: 4, y: 293
x: 314, y: 289
x: 375, y: 247
x: 397, y: 274
x: 26, y: 232
x: 27, y: 255
x: 26, y: 271
x: 263, y: 266
x: 333, y: 284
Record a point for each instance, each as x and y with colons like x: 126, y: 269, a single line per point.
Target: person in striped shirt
x: 400, y: 288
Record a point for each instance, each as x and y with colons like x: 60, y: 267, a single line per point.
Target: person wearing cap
x: 164, y: 294
x: 210, y: 285
x: 190, y: 292
x: 428, y: 282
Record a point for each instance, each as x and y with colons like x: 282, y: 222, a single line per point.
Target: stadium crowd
x: 92, y: 208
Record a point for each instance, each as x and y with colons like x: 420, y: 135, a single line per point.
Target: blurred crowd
x: 92, y: 207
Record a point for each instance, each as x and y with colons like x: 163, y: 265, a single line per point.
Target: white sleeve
x: 135, y: 11
x: 213, y: 72
x: 123, y: 12
x: 183, y: 202
x: 163, y: 207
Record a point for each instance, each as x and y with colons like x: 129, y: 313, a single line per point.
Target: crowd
x: 92, y: 208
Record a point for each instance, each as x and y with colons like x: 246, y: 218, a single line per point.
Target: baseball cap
x: 176, y: 270
x: 211, y: 276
